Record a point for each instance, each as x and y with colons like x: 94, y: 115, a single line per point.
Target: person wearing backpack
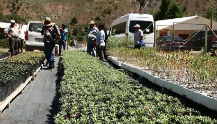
x: 91, y: 38
x: 51, y: 37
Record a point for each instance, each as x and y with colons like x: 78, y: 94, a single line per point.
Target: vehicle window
x: 36, y: 27
x: 143, y: 26
x: 119, y: 29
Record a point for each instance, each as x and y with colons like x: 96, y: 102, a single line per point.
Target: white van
x: 123, y: 26
x: 33, y: 37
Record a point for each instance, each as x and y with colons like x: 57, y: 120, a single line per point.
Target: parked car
x: 33, y: 37
x: 197, y: 41
x: 170, y: 43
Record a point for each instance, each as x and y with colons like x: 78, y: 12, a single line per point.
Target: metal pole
x: 206, y: 38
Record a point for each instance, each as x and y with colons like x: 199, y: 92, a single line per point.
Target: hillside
x: 62, y: 11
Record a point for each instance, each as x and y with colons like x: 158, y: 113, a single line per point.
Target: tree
x: 174, y: 11
x: 211, y: 13
x: 15, y: 7
x: 164, y: 8
x: 168, y: 9
x: 74, y: 20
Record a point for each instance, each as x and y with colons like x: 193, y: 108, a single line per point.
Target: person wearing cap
x: 12, y: 33
x: 51, y: 37
x: 100, y: 42
x: 138, y: 36
x: 91, y: 37
x: 63, y: 32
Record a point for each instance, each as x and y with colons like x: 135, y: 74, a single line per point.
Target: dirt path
x: 34, y: 106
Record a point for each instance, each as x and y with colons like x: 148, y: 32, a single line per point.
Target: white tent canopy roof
x: 185, y: 23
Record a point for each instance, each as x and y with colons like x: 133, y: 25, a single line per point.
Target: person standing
x: 91, y: 37
x: 51, y: 36
x: 100, y: 42
x: 12, y: 34
x: 21, y: 37
x: 138, y: 37
x: 62, y: 44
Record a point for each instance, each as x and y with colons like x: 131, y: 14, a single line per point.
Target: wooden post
x: 206, y: 39
x: 155, y: 36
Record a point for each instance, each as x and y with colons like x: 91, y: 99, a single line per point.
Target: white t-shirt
x: 12, y: 31
x: 137, y: 36
x: 21, y: 33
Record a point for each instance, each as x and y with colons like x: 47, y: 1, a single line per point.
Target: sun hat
x: 92, y: 23
x: 13, y: 21
x: 136, y: 26
x: 47, y: 21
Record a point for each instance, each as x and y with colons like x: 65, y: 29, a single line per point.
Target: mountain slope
x: 62, y: 11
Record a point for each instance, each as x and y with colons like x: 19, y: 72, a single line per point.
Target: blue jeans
x: 62, y: 44
x: 90, y: 47
x: 49, y: 54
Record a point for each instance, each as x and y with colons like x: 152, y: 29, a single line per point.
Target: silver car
x: 33, y: 37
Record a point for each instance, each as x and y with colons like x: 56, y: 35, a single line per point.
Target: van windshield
x: 143, y: 26
x: 36, y: 27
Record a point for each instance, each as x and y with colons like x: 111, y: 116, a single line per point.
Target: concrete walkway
x: 34, y: 106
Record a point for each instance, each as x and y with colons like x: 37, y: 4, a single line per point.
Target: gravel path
x: 34, y: 106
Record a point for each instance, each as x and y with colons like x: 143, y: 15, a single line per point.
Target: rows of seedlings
x: 3, y: 53
x: 15, y: 70
x: 92, y: 92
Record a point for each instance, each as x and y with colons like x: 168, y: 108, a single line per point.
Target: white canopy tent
x: 183, y: 27
x: 185, y: 23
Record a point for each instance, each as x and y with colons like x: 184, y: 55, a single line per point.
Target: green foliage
x: 94, y: 93
x: 8, y: 18
x: 2, y: 50
x: 97, y: 19
x: 74, y: 20
x: 107, y: 11
x: 15, y: 70
x: 169, y: 9
x: 199, y: 69
x: 174, y: 11
x: 210, y: 11
x: 4, y: 43
x: 119, y: 42
x: 78, y: 33
x: 15, y: 6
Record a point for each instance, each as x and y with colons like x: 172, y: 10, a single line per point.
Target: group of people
x: 53, y: 35
x: 16, y: 36
x: 96, y: 40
